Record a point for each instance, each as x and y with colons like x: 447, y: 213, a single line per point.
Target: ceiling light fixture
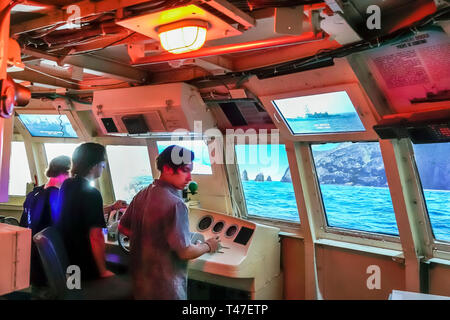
x: 183, y: 36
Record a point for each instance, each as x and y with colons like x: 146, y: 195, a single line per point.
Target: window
x: 130, y: 170
x: 320, y: 113
x: 434, y: 170
x: 53, y: 150
x: 354, y: 187
x: 266, y: 179
x: 48, y: 125
x: 202, y: 162
x: 19, y: 173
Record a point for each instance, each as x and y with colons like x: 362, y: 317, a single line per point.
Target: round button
x: 205, y: 223
x: 231, y: 231
x: 218, y: 226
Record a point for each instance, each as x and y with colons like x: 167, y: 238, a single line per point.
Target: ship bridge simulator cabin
x: 321, y: 131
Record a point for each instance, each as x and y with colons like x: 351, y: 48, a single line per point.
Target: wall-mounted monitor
x: 333, y: 113
x: 319, y: 113
x: 48, y: 125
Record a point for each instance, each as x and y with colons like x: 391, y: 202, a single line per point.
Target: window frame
x: 318, y: 214
x: 440, y: 248
x: 15, y: 196
x: 18, y: 200
x: 285, y: 225
x: 345, y: 231
x: 108, y: 167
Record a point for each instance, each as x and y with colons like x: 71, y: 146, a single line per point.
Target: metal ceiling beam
x: 87, y: 8
x: 102, y: 67
x: 214, y: 64
x: 229, y: 48
x: 33, y: 76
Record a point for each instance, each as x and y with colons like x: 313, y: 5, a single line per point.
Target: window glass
x: 354, y: 187
x: 19, y: 172
x: 320, y: 113
x: 202, y: 162
x: 266, y: 179
x: 130, y: 170
x: 48, y: 125
x: 433, y: 164
x: 53, y: 150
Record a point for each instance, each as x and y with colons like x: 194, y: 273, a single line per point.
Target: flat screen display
x: 320, y: 113
x: 48, y: 125
x: 243, y: 236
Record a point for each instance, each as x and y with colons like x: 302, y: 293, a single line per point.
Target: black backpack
x: 36, y: 210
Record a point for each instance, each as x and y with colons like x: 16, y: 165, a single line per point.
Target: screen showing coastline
x: 48, y: 125
x: 320, y: 113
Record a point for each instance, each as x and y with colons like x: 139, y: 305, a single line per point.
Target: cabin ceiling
x: 102, y: 53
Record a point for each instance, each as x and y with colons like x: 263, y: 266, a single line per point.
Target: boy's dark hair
x: 57, y: 166
x: 175, y: 157
x: 87, y: 156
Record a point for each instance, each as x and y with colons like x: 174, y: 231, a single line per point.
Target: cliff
x: 286, y: 176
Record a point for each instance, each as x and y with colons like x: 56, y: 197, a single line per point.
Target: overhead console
x: 155, y: 108
x: 420, y: 127
x: 249, y: 259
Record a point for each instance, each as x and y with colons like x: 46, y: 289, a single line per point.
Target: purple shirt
x: 158, y: 220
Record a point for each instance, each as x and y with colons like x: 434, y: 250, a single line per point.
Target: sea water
x: 351, y: 207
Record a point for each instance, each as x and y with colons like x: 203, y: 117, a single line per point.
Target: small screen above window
x: 320, y: 113
x: 48, y: 125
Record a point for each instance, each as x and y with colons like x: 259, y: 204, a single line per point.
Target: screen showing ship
x: 48, y: 125
x: 320, y: 113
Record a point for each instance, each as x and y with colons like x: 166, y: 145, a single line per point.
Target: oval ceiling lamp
x: 183, y: 36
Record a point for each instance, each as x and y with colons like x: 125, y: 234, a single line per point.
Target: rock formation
x: 244, y: 175
x: 259, y: 177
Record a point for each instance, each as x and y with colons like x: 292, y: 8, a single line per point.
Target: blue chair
x: 55, y: 262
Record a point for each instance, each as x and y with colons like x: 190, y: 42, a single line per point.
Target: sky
x: 202, y: 162
x: 271, y: 160
x: 126, y: 163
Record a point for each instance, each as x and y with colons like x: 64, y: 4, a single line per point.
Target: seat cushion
x: 112, y: 288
